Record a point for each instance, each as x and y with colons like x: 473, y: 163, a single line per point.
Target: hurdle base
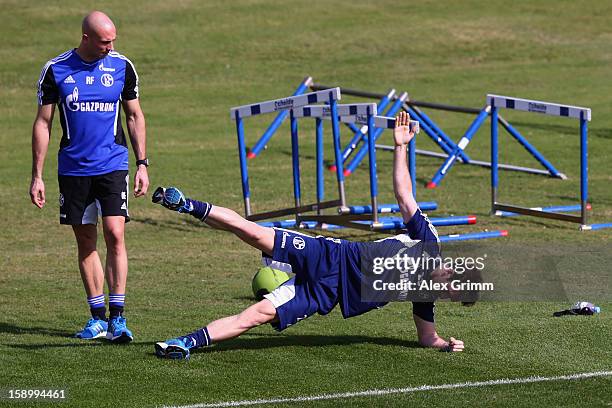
x: 535, y: 213
x: 347, y: 221
x: 294, y: 210
x: 385, y: 208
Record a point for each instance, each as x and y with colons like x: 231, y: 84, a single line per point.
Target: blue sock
x: 199, y: 338
x: 115, y: 304
x: 97, y: 307
x: 200, y: 209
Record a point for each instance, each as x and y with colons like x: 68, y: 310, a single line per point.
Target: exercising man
x: 90, y: 84
x: 327, y: 271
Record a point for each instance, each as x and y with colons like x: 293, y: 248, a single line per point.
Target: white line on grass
x: 388, y: 391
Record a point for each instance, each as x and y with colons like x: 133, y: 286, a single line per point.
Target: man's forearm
x: 138, y: 134
x: 402, y: 183
x: 41, y: 133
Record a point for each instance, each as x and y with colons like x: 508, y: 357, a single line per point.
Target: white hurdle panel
x: 545, y: 108
x: 324, y: 111
x: 353, y: 113
x: 288, y: 103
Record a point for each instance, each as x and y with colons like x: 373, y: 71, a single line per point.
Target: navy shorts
x: 314, y: 288
x: 83, y: 198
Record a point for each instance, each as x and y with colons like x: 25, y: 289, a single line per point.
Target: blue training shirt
x: 88, y: 96
x: 418, y: 229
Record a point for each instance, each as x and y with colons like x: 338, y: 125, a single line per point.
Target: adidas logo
x: 124, y: 206
x: 69, y: 80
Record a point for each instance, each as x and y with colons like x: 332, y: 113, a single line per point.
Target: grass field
x: 195, y: 61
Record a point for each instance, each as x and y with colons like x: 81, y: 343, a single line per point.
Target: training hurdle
x: 554, y: 208
x: 290, y: 103
x: 456, y: 152
x: 574, y: 112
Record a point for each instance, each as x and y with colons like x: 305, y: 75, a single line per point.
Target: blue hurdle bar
x: 398, y: 223
x: 494, y: 153
x: 473, y: 235
x: 584, y: 167
x: 532, y: 150
x: 594, y: 227
x: 446, y: 139
x: 337, y: 153
x: 280, y: 118
x: 435, y: 133
x: 244, y: 173
x: 387, y: 208
x: 465, y: 140
x: 554, y: 208
x: 372, y: 166
x: 320, y: 175
x: 295, y: 160
x: 361, y: 153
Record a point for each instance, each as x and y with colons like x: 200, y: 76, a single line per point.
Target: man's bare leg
x: 116, y: 277
x: 92, y: 276
x: 219, y: 330
x: 89, y: 260
x: 116, y: 254
x: 255, y: 235
x: 233, y: 326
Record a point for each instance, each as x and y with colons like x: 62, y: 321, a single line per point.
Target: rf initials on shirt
x: 89, y: 80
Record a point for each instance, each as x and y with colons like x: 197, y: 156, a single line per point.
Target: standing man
x: 90, y: 84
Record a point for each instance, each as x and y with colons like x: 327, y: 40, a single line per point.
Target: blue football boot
x: 176, y: 349
x: 118, y: 331
x: 94, y: 328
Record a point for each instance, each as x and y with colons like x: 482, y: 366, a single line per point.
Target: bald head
x: 96, y: 22
x: 99, y: 33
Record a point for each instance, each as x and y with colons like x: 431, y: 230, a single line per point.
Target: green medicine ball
x: 266, y: 280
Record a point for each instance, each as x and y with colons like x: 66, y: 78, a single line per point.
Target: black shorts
x: 83, y: 197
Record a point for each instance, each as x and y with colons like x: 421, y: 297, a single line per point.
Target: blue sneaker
x: 176, y: 349
x: 118, y: 331
x: 94, y: 328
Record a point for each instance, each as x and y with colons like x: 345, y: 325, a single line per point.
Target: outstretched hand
x: 401, y: 132
x: 172, y: 198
